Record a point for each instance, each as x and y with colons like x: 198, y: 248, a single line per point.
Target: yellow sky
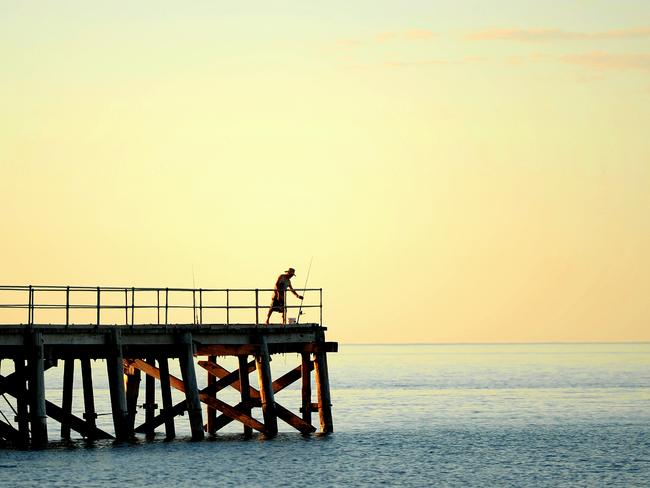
x: 457, y: 173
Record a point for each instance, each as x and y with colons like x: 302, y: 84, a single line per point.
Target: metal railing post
x: 193, y: 306
x: 228, y: 307
x: 98, y: 306
x: 30, y: 304
x: 166, y: 303
x: 67, y: 306
x: 132, y: 306
x: 158, y: 306
x: 126, y: 306
x: 200, y: 306
x: 320, y: 305
x: 257, y: 305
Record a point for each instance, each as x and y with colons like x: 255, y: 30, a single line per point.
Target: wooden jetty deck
x: 133, y: 349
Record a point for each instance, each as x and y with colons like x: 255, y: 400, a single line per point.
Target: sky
x: 473, y: 171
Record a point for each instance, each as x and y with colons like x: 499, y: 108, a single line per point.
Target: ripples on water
x: 499, y: 415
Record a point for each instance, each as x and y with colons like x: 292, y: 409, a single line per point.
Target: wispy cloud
x: 346, y: 43
x: 605, y: 61
x: 388, y: 36
x: 546, y: 34
x: 594, y: 65
x: 432, y: 62
x: 409, y: 64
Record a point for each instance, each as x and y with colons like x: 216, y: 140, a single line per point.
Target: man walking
x: 279, y: 293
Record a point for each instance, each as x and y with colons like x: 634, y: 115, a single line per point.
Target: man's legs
x: 268, y: 315
x: 284, y: 308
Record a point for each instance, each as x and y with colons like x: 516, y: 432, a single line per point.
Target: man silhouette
x: 282, y: 284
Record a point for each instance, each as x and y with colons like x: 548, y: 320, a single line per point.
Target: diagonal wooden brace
x: 8, y: 385
x: 215, y: 403
x: 278, y: 385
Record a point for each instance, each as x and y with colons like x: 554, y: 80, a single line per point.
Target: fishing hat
x: 291, y: 270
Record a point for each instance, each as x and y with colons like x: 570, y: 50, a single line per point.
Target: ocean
x: 404, y: 415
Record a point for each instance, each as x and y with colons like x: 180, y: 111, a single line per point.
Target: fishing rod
x: 304, y: 290
x: 194, y: 297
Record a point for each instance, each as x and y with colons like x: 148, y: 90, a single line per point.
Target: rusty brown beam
x: 7, y: 384
x: 278, y: 385
x: 226, y: 349
x: 204, y: 397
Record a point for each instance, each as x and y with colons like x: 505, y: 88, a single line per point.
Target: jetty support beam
x: 66, y: 402
x: 263, y: 365
x: 191, y: 388
x: 115, y: 370
x: 305, y: 373
x: 212, y: 412
x: 245, y: 391
x: 323, y: 388
x: 132, y: 392
x: 166, y: 395
x: 90, y: 416
x: 22, y: 416
x: 150, y: 405
x: 38, y: 416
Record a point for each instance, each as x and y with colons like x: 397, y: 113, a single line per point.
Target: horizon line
x: 487, y: 343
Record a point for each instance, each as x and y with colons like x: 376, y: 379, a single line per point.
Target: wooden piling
x: 133, y: 378
x: 66, y: 402
x: 150, y: 399
x: 305, y: 374
x: 263, y: 366
x: 212, y: 412
x: 194, y: 409
x: 245, y: 391
x: 22, y: 415
x: 115, y: 370
x: 38, y: 416
x: 323, y: 388
x: 89, y: 400
x: 166, y: 395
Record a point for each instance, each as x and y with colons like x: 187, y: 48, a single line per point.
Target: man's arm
x: 294, y: 291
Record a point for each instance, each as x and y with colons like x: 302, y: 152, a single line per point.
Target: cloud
x: 545, y: 34
x: 418, y: 34
x: 605, y: 61
x: 388, y: 36
x: 432, y: 62
x: 346, y: 43
x: 408, y: 64
x: 406, y: 35
x: 596, y: 65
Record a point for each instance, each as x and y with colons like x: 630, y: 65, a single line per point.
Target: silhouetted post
x: 66, y: 402
x: 262, y: 363
x: 150, y: 405
x: 212, y: 412
x: 194, y: 409
x: 38, y: 417
x: 305, y: 373
x: 245, y: 391
x: 133, y: 378
x: 323, y: 388
x: 115, y: 370
x: 166, y: 395
x: 89, y: 400
x: 22, y: 416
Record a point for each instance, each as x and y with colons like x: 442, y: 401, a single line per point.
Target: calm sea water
x: 404, y: 415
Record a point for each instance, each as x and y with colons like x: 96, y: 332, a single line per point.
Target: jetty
x: 137, y: 331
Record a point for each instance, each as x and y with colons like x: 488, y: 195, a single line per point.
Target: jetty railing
x: 128, y: 306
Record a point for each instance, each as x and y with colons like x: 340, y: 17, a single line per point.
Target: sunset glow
x: 458, y: 173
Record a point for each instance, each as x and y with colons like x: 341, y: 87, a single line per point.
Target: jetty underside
x: 133, y: 352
